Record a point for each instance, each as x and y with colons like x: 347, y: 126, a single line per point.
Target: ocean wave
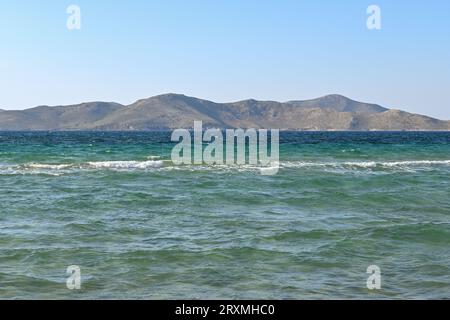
x: 367, y: 164
x: 66, y: 168
x: 348, y: 166
x: 126, y: 164
x: 47, y: 166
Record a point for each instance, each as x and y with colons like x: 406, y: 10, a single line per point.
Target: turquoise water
x: 140, y: 227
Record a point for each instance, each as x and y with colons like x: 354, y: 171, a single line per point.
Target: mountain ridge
x: 170, y: 111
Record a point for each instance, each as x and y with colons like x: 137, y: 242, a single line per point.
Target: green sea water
x: 140, y: 227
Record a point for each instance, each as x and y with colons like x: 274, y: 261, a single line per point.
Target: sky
x: 226, y: 50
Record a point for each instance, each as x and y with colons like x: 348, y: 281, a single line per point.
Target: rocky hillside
x: 169, y: 111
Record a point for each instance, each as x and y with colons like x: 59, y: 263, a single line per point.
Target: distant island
x: 170, y: 111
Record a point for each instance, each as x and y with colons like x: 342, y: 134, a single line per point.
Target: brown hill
x: 170, y: 111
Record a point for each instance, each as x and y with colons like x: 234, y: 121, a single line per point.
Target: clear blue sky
x: 226, y: 50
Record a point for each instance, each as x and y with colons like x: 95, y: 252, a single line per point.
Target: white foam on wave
x: 126, y: 164
x: 416, y: 163
x: 344, y: 166
x: 60, y: 169
x: 48, y: 166
x: 366, y: 164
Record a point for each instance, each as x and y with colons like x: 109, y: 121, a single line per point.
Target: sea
x: 136, y: 226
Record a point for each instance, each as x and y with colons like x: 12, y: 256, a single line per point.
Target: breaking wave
x: 367, y: 164
x: 126, y: 164
x: 60, y: 169
x: 349, y: 166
